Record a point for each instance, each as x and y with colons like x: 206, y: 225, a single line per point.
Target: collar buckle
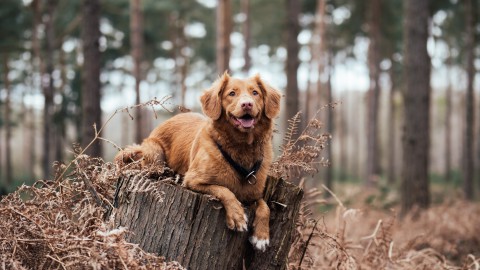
x: 250, y: 175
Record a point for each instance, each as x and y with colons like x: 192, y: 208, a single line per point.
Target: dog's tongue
x: 246, y: 123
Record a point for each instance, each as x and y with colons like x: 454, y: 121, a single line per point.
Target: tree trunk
x: 29, y: 140
x: 468, y: 143
x: 189, y: 227
x: 392, y: 124
x: 373, y: 92
x: 307, y: 102
x: 293, y: 29
x: 60, y: 125
x: 183, y: 78
x: 448, y: 125
x: 224, y: 28
x: 8, y: 127
x: 91, y: 112
x: 314, y: 92
x: 2, y: 187
x: 357, y: 140
x: 342, y: 136
x: 181, y: 59
x: 246, y: 35
x: 136, y: 43
x: 320, y: 50
x: 329, y: 125
x: 48, y: 89
x: 25, y: 117
x: 415, y: 184
x: 37, y: 67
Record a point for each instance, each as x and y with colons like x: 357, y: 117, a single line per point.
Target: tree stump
x: 189, y: 227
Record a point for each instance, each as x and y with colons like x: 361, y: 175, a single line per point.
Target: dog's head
x: 243, y: 103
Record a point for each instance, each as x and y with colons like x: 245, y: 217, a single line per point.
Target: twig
x: 372, y: 236
x: 374, y: 231
x: 57, y: 260
x: 390, y: 251
x: 281, y: 204
x: 307, y: 243
x: 97, y: 133
x: 110, y: 142
x: 333, y: 195
x: 475, y: 262
x: 91, y: 189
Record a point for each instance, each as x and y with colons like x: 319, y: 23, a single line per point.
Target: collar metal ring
x: 251, y: 174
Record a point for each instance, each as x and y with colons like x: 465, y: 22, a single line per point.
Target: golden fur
x: 187, y: 143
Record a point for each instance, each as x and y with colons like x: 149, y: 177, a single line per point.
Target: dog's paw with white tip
x: 242, y: 226
x: 237, y: 219
x: 245, y: 227
x: 260, y: 244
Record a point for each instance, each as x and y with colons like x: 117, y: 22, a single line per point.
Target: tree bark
x: 136, y: 43
x: 415, y: 182
x: 224, y: 28
x: 91, y: 111
x: 293, y: 29
x: 373, y: 92
x: 189, y: 227
x: 468, y: 143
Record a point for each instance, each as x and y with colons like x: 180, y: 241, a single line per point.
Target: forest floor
x: 61, y: 224
x: 360, y: 229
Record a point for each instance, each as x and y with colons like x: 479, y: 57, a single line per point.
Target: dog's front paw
x: 128, y: 155
x: 259, y: 243
x: 236, y: 218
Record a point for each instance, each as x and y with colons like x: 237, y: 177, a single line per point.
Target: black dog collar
x: 247, y: 174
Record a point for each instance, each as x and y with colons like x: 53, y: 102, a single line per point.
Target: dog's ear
x: 211, y: 99
x: 271, y: 98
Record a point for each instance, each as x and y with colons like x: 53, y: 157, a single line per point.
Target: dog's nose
x: 247, y: 105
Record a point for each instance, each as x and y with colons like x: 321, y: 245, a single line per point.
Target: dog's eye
x: 255, y: 93
x: 232, y: 93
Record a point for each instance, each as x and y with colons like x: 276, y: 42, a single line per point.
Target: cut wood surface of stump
x: 167, y: 219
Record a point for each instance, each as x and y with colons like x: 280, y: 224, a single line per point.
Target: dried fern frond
x: 60, y: 224
x: 301, y: 154
x: 289, y: 139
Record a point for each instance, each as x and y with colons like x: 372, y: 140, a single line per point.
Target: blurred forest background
x: 399, y: 74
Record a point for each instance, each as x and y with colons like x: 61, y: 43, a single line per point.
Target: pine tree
x: 91, y: 87
x: 416, y: 141
x: 293, y: 29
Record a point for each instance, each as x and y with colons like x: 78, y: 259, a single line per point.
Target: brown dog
x: 226, y: 155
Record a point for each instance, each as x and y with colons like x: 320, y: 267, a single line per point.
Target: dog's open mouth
x: 246, y: 121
